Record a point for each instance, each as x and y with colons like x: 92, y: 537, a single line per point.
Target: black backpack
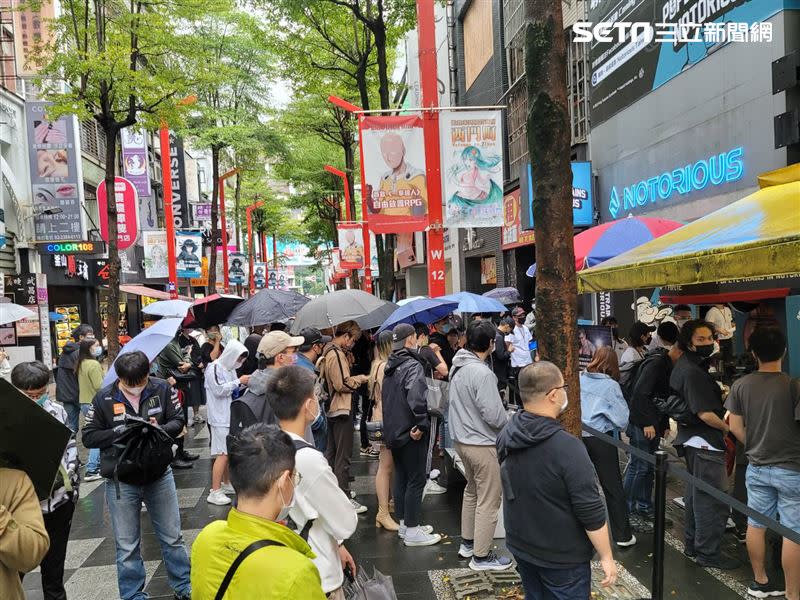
x: 142, y: 453
x: 630, y: 377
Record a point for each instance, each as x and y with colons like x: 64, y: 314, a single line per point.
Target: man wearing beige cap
x: 276, y: 349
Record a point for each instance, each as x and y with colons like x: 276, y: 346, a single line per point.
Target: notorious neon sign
x: 714, y: 170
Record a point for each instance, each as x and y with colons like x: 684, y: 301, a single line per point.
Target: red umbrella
x: 211, y: 310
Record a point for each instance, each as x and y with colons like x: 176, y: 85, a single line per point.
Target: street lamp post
x: 250, y: 242
x: 224, y: 224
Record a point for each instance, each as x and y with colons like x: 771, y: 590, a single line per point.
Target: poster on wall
x: 590, y: 338
x: 237, y: 268
x: 472, y: 168
x: 404, y: 255
x: 188, y: 245
x: 155, y: 254
x: 133, y: 142
x: 488, y: 270
x: 512, y: 235
x: 56, y: 181
x: 394, y: 171
x: 351, y: 245
x: 127, y: 220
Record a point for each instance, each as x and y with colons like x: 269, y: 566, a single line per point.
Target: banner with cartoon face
x: 237, y: 268
x: 188, y: 245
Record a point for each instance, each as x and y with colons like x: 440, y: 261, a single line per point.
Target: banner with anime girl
x: 472, y: 168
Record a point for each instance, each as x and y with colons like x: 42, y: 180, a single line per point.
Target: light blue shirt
x: 303, y: 361
x: 603, y: 407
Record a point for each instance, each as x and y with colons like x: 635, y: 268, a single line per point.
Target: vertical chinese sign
x: 127, y: 221
x: 135, y: 168
x: 351, y: 245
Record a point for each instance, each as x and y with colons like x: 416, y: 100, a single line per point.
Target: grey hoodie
x: 476, y: 413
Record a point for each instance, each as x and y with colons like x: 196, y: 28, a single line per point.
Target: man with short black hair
x: 322, y: 512
x: 442, y: 330
x: 765, y: 416
x: 520, y: 338
x: 67, y: 392
x: 136, y: 394
x: 682, y: 313
x: 308, y: 355
x: 476, y: 417
x: 501, y: 357
x: 262, y: 466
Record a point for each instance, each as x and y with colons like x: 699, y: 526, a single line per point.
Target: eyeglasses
x: 559, y: 387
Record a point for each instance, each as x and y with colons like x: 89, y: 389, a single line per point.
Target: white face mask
x: 239, y: 363
x: 564, y: 406
x: 319, y: 412
x: 286, y: 509
x: 133, y: 392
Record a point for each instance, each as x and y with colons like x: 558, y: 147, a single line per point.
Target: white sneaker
x: 627, y: 543
x: 360, y: 508
x: 198, y: 419
x: 218, y: 497
x: 402, y: 531
x: 418, y: 536
x: 227, y: 489
x: 432, y: 489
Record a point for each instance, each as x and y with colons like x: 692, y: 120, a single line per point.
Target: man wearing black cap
x: 307, y: 356
x: 520, y: 338
x: 406, y: 427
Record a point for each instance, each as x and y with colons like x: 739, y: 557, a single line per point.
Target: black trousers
x: 366, y: 410
x: 58, y: 524
x: 409, y: 480
x: 513, y: 386
x: 606, y: 462
x: 339, y: 449
x: 705, y: 515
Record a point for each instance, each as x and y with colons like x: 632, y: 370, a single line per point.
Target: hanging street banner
x: 134, y: 160
x: 512, y: 234
x: 472, y: 167
x: 201, y: 281
x: 56, y: 179
x: 188, y: 245
x: 260, y: 275
x: 351, y: 245
x: 155, y: 254
x: 373, y: 255
x: 237, y: 268
x: 394, y: 168
x: 292, y: 254
x: 177, y: 169
x: 278, y: 280
x: 127, y: 219
x: 336, y: 259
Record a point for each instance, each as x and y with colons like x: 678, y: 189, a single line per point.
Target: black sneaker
x: 178, y: 463
x: 764, y: 590
x: 186, y: 455
x: 722, y: 562
x: 690, y: 553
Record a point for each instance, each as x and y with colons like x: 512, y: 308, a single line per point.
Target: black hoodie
x: 67, y: 391
x: 551, y: 496
x: 404, y: 397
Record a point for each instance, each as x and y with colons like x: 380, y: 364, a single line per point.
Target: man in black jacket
x: 138, y: 395
x: 544, y: 466
x: 646, y: 425
x: 406, y: 428
x: 702, y: 444
x: 501, y: 357
x: 67, y: 392
x: 439, y: 337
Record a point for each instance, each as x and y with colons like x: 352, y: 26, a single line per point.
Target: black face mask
x: 615, y: 332
x: 704, y: 351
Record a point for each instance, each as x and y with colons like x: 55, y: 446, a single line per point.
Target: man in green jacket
x: 275, y: 563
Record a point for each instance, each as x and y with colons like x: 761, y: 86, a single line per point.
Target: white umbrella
x: 151, y: 341
x: 405, y: 301
x: 10, y: 313
x: 167, y: 308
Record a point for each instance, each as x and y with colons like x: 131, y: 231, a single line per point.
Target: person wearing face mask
x: 321, y: 513
x: 307, y: 357
x: 90, y: 380
x: 32, y: 378
x: 222, y: 385
x: 520, y: 338
x: 702, y: 444
x: 278, y: 562
x: 546, y: 467
x: 212, y: 349
x: 67, y: 392
x: 442, y: 331
x: 617, y: 343
x: 139, y: 395
x: 682, y: 313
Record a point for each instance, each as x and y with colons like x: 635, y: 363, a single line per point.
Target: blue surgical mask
x: 97, y: 352
x: 42, y: 399
x: 447, y: 328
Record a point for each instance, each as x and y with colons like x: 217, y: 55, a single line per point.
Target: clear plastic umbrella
x: 167, y: 308
x: 11, y: 313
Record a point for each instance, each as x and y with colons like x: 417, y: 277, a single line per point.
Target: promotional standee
x: 351, y: 245
x: 155, y: 254
x: 127, y: 218
x: 188, y: 245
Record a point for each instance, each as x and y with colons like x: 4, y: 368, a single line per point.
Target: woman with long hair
x: 383, y: 479
x: 90, y: 375
x: 604, y: 408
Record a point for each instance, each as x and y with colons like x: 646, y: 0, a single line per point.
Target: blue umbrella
x: 473, y: 303
x: 54, y: 316
x: 424, y: 310
x: 151, y: 341
x: 506, y: 295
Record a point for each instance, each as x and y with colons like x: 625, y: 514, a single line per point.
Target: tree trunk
x: 549, y: 148
x: 237, y: 231
x: 212, y: 261
x: 350, y: 168
x: 385, y: 247
x: 379, y: 33
x: 112, y: 308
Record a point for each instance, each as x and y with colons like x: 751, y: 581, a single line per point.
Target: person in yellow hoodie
x: 253, y: 554
x: 23, y: 538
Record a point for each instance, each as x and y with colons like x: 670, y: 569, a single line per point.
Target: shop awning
x: 724, y: 297
x: 758, y: 235
x: 143, y: 290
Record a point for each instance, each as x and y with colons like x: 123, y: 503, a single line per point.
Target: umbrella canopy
x: 151, y: 341
x: 377, y: 317
x: 54, y: 316
x: 506, y: 295
x: 267, y: 306
x: 473, y: 303
x: 337, y: 307
x: 11, y: 313
x: 31, y: 439
x: 211, y: 310
x: 167, y: 308
x: 405, y: 301
x: 424, y: 310
x: 601, y: 243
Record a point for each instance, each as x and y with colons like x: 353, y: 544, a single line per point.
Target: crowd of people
x: 282, y: 412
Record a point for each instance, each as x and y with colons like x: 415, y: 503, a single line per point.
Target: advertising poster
x: 177, y: 168
x: 237, y: 268
x: 188, y: 245
x: 127, y: 220
x: 590, y: 338
x: 488, y: 270
x: 278, y: 280
x: 260, y: 275
x: 512, y: 235
x: 155, y: 254
x: 56, y: 181
x: 292, y: 254
x: 351, y: 245
x: 134, y: 159
x: 582, y: 199
x: 201, y: 281
x: 472, y: 168
x: 404, y: 255
x: 394, y: 167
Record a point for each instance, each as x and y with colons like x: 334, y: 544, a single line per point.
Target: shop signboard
x: 202, y: 212
x: 351, y: 245
x: 472, y: 167
x: 177, y: 170
x: 85, y: 247
x: 127, y: 219
x: 155, y: 254
x: 188, y: 245
x: 582, y: 196
x: 512, y: 235
x: 56, y: 179
x: 394, y: 171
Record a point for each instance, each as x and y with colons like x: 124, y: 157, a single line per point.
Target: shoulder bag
x: 226, y: 581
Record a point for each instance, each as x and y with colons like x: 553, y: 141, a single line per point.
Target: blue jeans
x: 161, y: 500
x: 639, y: 475
x: 774, y: 491
x: 73, y: 416
x: 93, y: 466
x: 319, y: 430
x: 542, y: 583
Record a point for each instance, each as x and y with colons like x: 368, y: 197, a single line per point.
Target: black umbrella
x: 31, y: 439
x: 377, y: 316
x: 267, y: 306
x: 211, y: 310
x: 329, y: 310
x: 506, y: 295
